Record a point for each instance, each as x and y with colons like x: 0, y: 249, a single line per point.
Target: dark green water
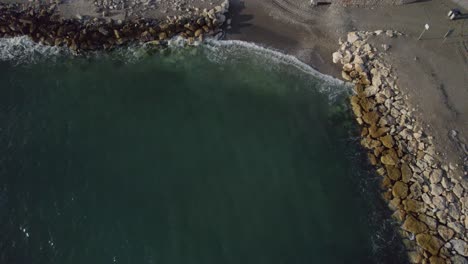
x: 174, y: 158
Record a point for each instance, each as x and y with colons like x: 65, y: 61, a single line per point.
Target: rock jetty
x: 42, y: 24
x: 429, y: 198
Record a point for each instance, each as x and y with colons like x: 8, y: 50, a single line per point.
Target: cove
x: 212, y: 154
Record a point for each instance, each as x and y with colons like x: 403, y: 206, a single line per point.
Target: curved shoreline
x: 428, y: 198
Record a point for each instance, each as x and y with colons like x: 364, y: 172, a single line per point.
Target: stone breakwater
x: 429, y: 198
x: 43, y: 25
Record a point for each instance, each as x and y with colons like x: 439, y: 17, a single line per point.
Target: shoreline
x: 43, y: 25
x: 427, y: 189
x: 431, y: 203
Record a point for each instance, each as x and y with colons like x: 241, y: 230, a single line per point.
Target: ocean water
x: 222, y: 153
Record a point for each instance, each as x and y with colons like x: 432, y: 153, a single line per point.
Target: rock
x: 429, y: 243
x: 370, y: 117
x: 389, y: 157
x: 406, y: 173
x: 386, y: 47
x: 436, y: 260
x: 436, y: 176
x: 416, y: 190
x: 414, y: 206
x: 458, y: 190
x: 460, y: 246
x: 459, y: 229
x: 337, y: 56
x: 436, y: 189
x: 198, y: 32
x: 414, y: 226
x: 459, y: 260
x: 414, y: 257
x: 352, y: 37
x: 429, y: 221
x: 346, y: 76
x: 439, y: 202
x: 445, y: 232
x: 347, y: 67
x: 355, y: 105
x: 393, y: 172
x: 376, y: 131
x: 400, y: 190
x: 387, y: 141
x: 371, y: 90
x: 454, y: 211
x: 378, y: 32
x: 162, y: 36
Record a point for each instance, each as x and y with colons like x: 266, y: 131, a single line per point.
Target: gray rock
x: 458, y: 190
x: 439, y: 202
x: 352, y: 37
x: 460, y: 246
x: 459, y: 260
x: 454, y: 211
x: 436, y: 189
x: 459, y: 229
x: 436, y: 176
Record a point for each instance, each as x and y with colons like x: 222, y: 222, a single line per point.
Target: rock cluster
x: 429, y: 199
x: 43, y: 25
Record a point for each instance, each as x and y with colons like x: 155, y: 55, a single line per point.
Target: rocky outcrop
x: 430, y: 199
x: 42, y: 24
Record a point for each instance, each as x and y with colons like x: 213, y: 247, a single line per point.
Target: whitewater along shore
x: 410, y: 102
x: 410, y: 95
x: 51, y: 25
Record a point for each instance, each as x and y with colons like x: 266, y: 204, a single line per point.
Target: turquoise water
x: 216, y: 154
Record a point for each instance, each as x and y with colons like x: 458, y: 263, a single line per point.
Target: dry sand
x: 433, y: 74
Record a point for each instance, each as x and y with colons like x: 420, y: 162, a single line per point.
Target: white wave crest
x: 249, y: 49
x: 22, y: 50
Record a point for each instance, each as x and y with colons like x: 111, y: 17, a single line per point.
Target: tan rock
x: 399, y: 215
x: 372, y: 159
x: 429, y: 243
x: 406, y: 173
x: 376, y: 131
x: 370, y: 117
x: 368, y: 104
x: 400, y: 190
x: 429, y: 221
x: 355, y: 105
x: 387, y: 141
x: 389, y: 157
x: 414, y: 206
x: 370, y: 143
x: 436, y: 260
x: 345, y: 76
x: 445, y: 232
x: 386, y: 183
x: 414, y: 257
x: 414, y: 226
x: 393, y: 172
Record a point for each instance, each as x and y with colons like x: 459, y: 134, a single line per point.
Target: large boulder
x: 429, y: 243
x: 414, y: 226
x: 393, y: 172
x: 400, y: 190
x: 389, y: 157
x: 460, y: 246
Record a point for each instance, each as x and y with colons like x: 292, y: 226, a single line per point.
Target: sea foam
x: 22, y: 50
